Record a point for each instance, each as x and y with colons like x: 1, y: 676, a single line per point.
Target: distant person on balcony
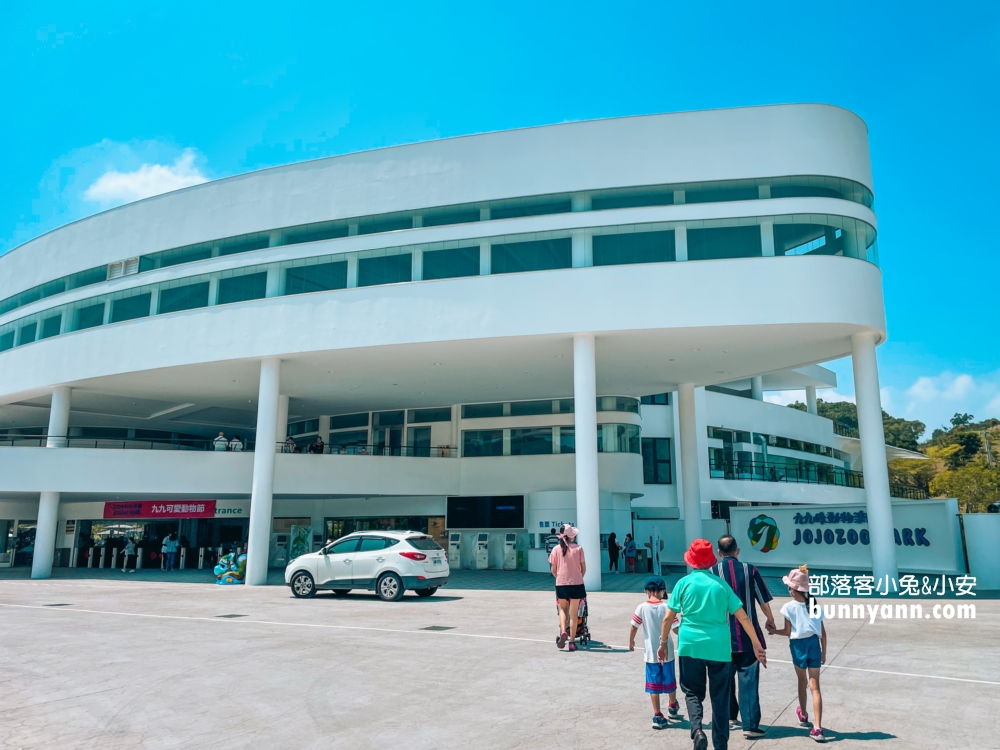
x: 317, y: 446
x: 220, y: 443
x: 289, y: 446
x: 613, y: 549
x: 236, y: 444
x: 629, y: 554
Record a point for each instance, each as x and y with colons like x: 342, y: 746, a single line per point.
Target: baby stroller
x: 582, y: 631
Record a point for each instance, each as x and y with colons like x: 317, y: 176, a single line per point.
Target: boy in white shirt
x: 659, y: 677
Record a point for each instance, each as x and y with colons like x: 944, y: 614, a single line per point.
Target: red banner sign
x: 161, y: 509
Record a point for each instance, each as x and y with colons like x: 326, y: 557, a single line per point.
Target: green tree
x: 969, y: 445
x: 902, y: 433
x: 975, y: 485
x: 960, y: 420
x: 912, y: 472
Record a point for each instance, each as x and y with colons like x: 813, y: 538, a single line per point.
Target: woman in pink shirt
x: 568, y: 566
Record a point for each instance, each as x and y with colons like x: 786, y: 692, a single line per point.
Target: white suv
x: 389, y: 562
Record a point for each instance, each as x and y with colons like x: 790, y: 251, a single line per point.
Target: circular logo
x: 763, y: 533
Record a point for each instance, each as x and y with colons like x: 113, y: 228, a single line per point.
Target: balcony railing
x: 904, y: 492
x: 406, y: 451
x: 161, y: 444
x: 845, y: 431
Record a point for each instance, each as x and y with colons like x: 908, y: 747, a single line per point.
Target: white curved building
x: 475, y: 317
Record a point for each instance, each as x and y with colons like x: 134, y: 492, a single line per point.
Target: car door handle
x: 347, y: 561
x: 379, y: 559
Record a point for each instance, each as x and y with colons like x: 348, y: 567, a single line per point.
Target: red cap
x: 700, y: 554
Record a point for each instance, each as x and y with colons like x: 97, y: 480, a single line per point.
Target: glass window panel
x: 804, y: 191
x: 303, y: 427
x: 349, y: 420
x: 347, y: 442
x: 450, y: 264
x: 656, y: 461
x: 442, y: 414
x: 528, y: 408
x: 807, y: 239
x: 482, y: 411
x: 632, y: 201
x: 566, y: 406
x: 6, y: 341
x: 320, y: 277
x: 51, y: 326
x: 618, y: 403
x: 530, y: 209
x: 540, y: 255
x: 388, y: 418
x: 635, y: 247
x: 659, y: 399
x: 723, y: 243
x: 567, y: 440
x: 476, y: 443
x: 130, y: 308
x: 390, y: 225
x: 719, y: 195
x: 242, y: 288
x: 316, y: 235
x: 245, y: 246
x: 419, y: 440
x: 86, y: 278
x: 174, y: 257
x: 458, y: 217
x: 389, y: 269
x: 89, y: 317
x: 26, y: 334
x: 531, y: 441
x: 185, y: 297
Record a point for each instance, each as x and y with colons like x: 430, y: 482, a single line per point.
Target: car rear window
x: 423, y: 542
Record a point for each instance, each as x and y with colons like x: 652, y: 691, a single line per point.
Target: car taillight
x: 414, y: 555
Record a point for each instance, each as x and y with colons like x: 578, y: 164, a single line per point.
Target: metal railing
x: 760, y: 471
x: 906, y: 492
x: 167, y: 444
x: 408, y: 451
x: 845, y: 431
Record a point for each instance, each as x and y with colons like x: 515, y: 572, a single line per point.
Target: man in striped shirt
x: 747, y: 583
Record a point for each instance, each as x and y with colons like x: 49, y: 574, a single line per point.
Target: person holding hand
x: 703, y: 642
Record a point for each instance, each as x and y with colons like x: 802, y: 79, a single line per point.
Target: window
x: 174, y: 257
x: 320, y: 277
x: 316, y: 235
x: 618, y: 438
x: 430, y: 415
x: 635, y: 247
x: 719, y: 195
x: 51, y: 326
x: 242, y: 288
x: 245, y: 246
x: 807, y: 239
x: 347, y: 442
x: 540, y: 255
x: 26, y: 334
x: 458, y: 217
x: 89, y: 317
x: 723, y: 243
x: 632, y: 201
x: 567, y: 440
x: 388, y: 418
x: 482, y: 411
x: 529, y: 408
x: 349, y: 420
x: 371, y: 544
x: 301, y: 428
x: 531, y: 441
x: 531, y: 209
x: 391, y: 225
x: 343, y: 547
x: 130, y: 308
x: 477, y: 443
x: 618, y: 403
x: 656, y: 461
x: 6, y: 341
x: 659, y: 399
x: 804, y: 191
x: 184, y: 297
x: 418, y: 439
x: 450, y: 264
x: 389, y: 269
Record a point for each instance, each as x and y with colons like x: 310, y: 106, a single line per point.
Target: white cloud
x: 934, y: 399
x: 114, y: 187
x: 784, y: 398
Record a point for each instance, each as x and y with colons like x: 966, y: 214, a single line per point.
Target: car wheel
x: 390, y: 588
x: 426, y: 592
x: 303, y: 586
x: 341, y: 592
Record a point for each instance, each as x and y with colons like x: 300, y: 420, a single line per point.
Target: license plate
x: 437, y: 560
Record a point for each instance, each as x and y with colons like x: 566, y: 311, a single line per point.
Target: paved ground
x: 118, y: 661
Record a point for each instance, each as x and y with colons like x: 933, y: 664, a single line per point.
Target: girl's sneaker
x: 817, y: 734
x: 802, y: 717
x: 572, y: 647
x: 660, y: 722
x: 561, y: 639
x: 674, y: 710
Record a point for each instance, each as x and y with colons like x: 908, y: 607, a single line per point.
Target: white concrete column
x: 681, y: 243
x: 678, y: 197
x: 767, y: 239
x: 690, y: 476
x: 352, y: 271
x: 583, y: 249
x: 47, y: 525
x: 259, y: 542
x: 213, y: 291
x: 418, y: 221
x: 274, y: 238
x: 580, y: 203
x: 282, y: 430
x: 107, y: 312
x: 484, y: 214
x: 588, y: 508
x: 485, y: 259
x: 352, y: 230
x: 811, y: 399
x: 866, y: 392
x: 417, y: 263
x: 154, y: 300
x: 764, y: 192
x: 272, y: 287
x: 757, y: 388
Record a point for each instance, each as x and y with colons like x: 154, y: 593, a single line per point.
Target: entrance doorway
x: 24, y: 543
x: 338, y: 527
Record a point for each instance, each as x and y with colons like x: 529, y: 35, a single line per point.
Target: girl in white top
x: 807, y: 642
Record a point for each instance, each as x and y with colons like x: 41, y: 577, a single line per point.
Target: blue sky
x: 105, y: 104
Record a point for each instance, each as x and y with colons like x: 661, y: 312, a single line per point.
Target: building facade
x: 489, y: 334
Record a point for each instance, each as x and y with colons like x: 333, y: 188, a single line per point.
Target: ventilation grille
x: 123, y: 268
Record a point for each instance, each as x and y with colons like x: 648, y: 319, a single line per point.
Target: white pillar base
x: 45, y: 535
